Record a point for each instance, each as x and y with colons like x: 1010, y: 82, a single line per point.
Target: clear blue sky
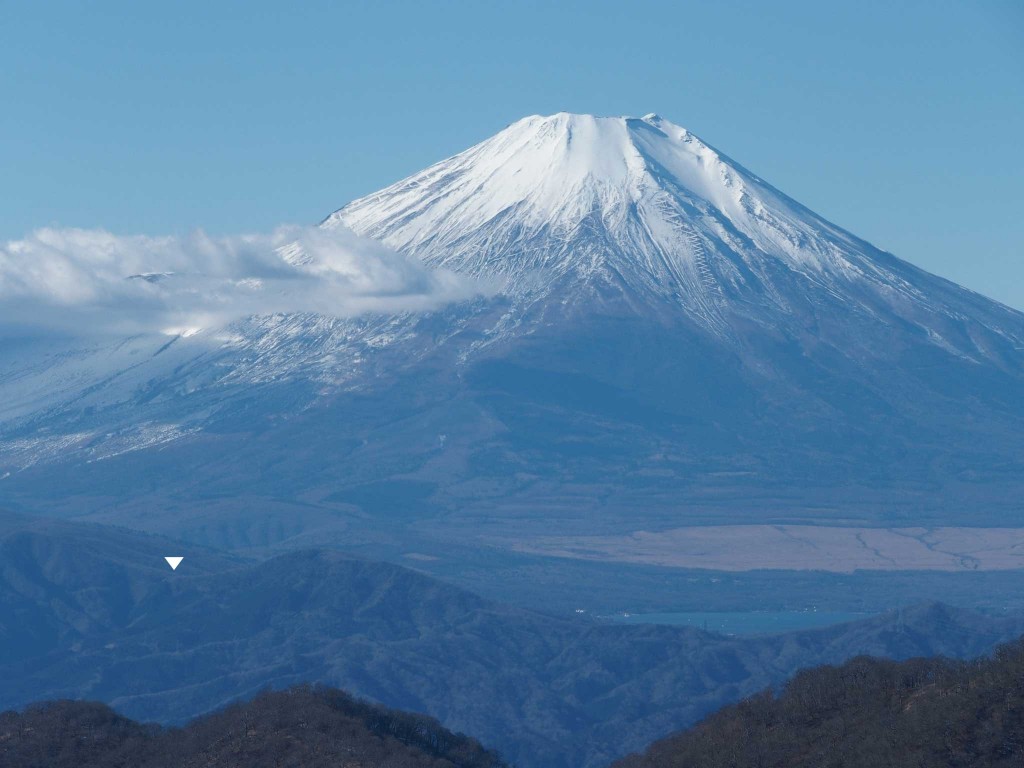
x: 903, y: 122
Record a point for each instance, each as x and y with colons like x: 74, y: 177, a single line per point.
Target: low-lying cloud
x: 92, y: 280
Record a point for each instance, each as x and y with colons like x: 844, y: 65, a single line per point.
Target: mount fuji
x: 660, y: 339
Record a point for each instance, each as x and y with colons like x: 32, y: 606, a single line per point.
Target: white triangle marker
x: 174, y: 562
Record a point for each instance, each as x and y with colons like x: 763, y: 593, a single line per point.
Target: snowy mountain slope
x: 666, y: 339
x: 645, y: 206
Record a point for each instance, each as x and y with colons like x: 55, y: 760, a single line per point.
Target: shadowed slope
x: 307, y: 727
x: 931, y: 713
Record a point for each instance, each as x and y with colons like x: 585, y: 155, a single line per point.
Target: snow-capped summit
x: 554, y: 173
x: 641, y: 208
x: 647, y: 196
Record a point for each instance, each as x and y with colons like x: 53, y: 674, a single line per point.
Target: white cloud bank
x: 91, y: 280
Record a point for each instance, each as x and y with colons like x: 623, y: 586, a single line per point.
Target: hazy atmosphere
x: 451, y: 385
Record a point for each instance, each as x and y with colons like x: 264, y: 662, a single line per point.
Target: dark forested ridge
x: 867, y: 713
x: 303, y: 726
x: 90, y: 612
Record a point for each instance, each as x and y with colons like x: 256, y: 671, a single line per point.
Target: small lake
x: 745, y: 622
